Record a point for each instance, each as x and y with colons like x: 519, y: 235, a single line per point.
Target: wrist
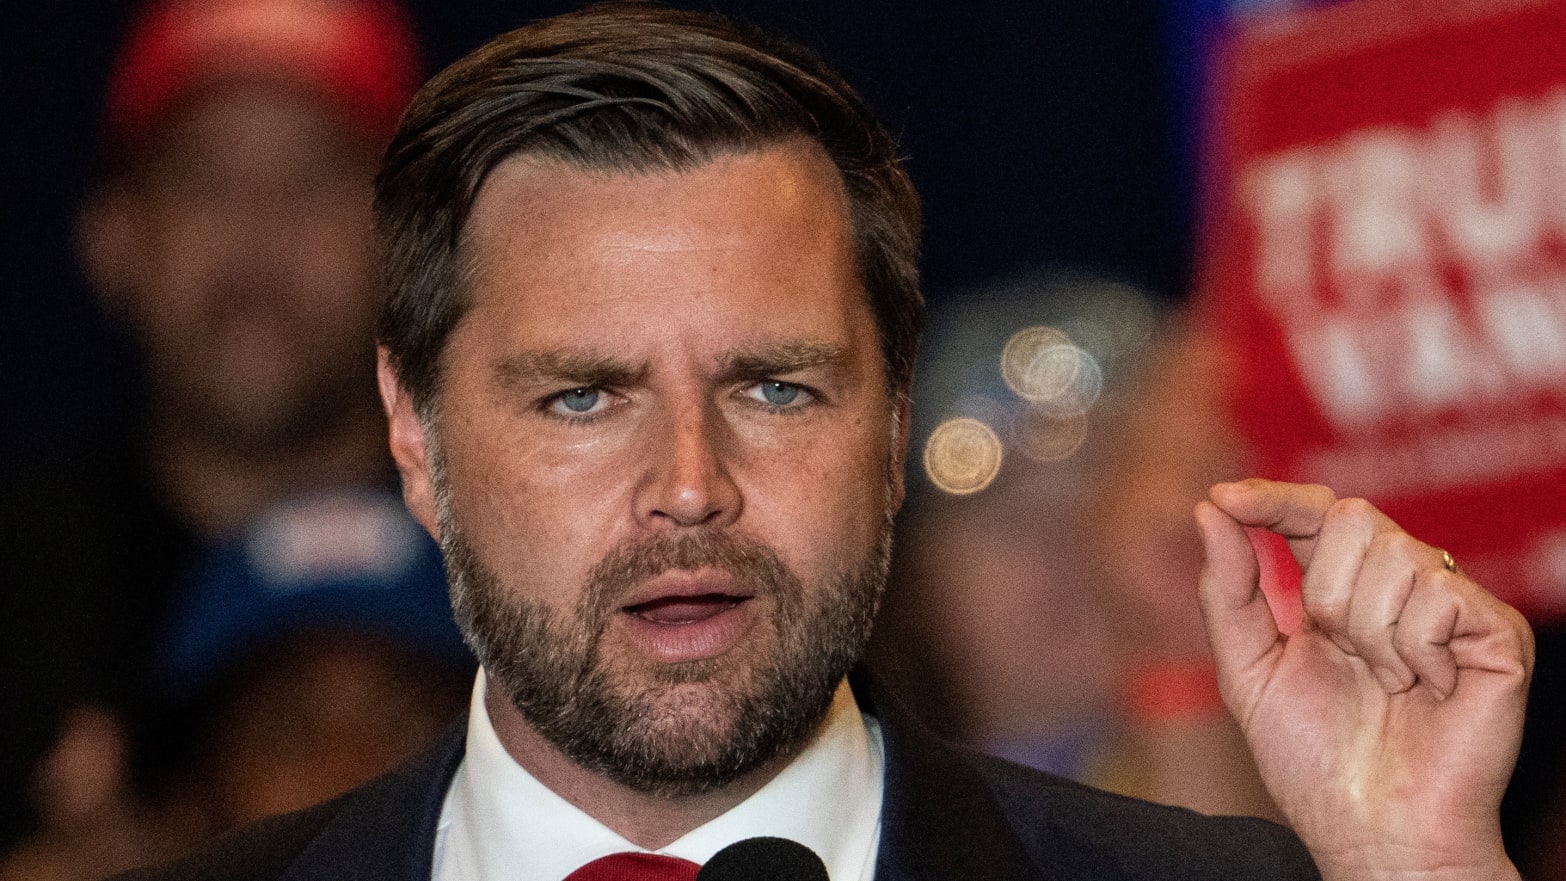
x: 1486, y: 865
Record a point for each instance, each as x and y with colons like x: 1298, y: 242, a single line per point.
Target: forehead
x: 254, y: 125
x: 746, y: 243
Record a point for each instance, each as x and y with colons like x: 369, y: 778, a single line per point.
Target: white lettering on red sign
x: 1420, y: 270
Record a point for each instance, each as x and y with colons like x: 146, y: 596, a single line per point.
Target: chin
x: 690, y: 728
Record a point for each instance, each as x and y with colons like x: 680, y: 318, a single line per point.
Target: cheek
x: 821, y: 502
x: 175, y: 258
x: 535, y: 512
x: 169, y: 306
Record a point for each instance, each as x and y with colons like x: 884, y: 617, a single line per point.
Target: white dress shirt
x: 498, y: 823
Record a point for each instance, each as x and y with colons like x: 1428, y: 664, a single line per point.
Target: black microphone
x: 764, y: 859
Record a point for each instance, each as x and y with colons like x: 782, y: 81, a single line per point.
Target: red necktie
x: 636, y: 867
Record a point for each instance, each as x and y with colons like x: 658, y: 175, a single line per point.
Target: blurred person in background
x: 307, y: 654
x: 994, y: 632
x: 1044, y: 615
x: 1175, y: 742
x: 230, y: 235
x: 303, y: 656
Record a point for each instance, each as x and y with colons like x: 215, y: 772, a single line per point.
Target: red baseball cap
x: 360, y: 55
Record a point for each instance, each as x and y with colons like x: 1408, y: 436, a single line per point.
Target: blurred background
x: 1111, y: 332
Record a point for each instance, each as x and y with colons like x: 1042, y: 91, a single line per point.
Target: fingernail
x: 1391, y: 683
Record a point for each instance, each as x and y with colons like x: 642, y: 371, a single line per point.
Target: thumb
x: 1240, y: 625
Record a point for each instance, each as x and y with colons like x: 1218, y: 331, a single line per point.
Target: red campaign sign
x: 1386, y: 242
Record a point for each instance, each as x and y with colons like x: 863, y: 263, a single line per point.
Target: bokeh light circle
x: 962, y: 456
x: 1045, y: 436
x: 1086, y: 385
x: 1039, y: 363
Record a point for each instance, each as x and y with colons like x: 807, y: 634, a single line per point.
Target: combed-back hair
x: 631, y: 87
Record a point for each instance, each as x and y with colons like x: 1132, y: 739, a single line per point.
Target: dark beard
x: 657, y: 730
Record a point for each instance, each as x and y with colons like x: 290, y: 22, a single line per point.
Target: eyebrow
x: 563, y: 366
x: 779, y: 359
x: 583, y: 369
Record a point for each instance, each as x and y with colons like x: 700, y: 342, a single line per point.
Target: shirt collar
x: 500, y: 822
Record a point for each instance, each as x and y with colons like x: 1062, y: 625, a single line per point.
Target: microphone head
x: 764, y: 859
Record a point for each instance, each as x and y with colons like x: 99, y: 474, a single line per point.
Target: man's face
x: 250, y: 281
x: 664, y: 459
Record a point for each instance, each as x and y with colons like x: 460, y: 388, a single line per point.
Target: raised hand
x: 1387, y: 727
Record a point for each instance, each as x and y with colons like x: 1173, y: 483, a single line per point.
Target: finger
x: 1240, y: 625
x: 1332, y: 577
x: 1391, y: 568
x: 1451, y: 627
x: 1424, y: 634
x: 1295, y: 511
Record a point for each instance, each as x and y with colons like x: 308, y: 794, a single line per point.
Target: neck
x: 215, y: 487
x: 648, y: 821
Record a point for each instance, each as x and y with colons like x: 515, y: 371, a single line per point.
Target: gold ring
x: 1448, y: 563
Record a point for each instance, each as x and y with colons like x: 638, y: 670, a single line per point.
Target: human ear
x: 409, y: 445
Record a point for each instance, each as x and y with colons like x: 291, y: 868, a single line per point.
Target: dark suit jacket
x: 948, y: 815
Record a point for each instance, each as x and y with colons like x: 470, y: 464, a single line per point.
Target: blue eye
x: 779, y: 394
x: 579, y: 400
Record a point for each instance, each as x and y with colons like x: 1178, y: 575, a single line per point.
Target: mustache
x: 748, y: 562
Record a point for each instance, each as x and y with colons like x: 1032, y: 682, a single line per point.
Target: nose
x: 687, y: 482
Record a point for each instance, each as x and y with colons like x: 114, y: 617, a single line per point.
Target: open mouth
x: 677, y: 610
x: 686, y: 622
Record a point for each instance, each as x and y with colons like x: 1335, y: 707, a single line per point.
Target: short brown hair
x: 625, y: 86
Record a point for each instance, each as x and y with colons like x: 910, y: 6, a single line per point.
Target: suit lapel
x: 939, y: 820
x: 386, y: 831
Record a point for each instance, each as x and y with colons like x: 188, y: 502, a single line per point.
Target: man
x: 651, y: 316
x: 231, y: 235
